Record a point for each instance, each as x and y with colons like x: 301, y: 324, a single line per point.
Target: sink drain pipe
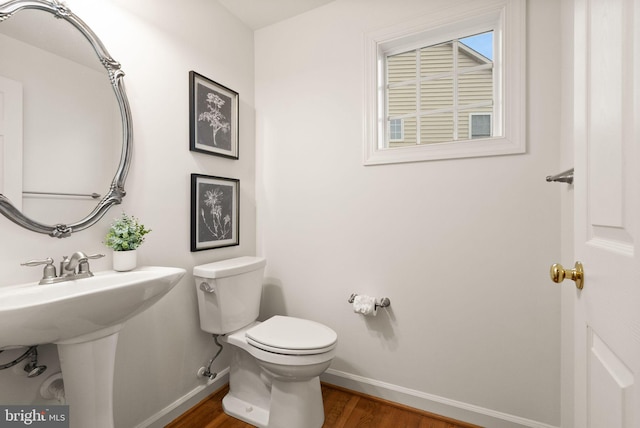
x: 32, y: 368
x: 206, y: 371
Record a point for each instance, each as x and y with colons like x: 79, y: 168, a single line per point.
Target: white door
x: 11, y: 140
x: 607, y: 212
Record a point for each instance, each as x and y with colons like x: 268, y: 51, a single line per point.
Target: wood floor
x: 343, y: 409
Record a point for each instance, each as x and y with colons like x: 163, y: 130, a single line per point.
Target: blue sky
x: 482, y: 43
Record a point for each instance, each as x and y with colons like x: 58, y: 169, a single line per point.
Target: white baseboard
x: 409, y: 397
x: 429, y: 402
x: 184, y: 403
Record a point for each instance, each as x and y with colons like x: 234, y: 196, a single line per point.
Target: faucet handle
x: 83, y: 266
x: 49, y: 270
x: 95, y: 256
x: 31, y: 263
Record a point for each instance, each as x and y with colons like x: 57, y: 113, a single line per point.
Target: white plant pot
x: 125, y: 260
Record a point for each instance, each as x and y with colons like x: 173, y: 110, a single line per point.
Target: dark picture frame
x: 215, y: 212
x: 213, y: 117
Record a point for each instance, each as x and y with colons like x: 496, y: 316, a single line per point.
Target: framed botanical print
x: 215, y: 212
x: 213, y: 117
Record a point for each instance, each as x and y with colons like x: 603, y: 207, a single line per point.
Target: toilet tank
x: 229, y: 293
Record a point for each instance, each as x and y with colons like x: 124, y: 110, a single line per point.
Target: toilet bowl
x: 291, y: 375
x: 275, y: 365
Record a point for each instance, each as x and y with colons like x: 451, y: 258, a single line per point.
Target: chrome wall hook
x: 563, y: 177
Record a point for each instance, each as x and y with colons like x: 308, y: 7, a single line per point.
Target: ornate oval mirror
x: 62, y: 131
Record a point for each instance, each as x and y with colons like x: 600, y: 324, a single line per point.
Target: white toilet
x: 275, y: 364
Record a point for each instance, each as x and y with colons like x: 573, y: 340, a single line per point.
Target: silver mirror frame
x: 116, y: 191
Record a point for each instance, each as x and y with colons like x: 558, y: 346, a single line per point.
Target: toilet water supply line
x: 32, y: 368
x: 206, y: 371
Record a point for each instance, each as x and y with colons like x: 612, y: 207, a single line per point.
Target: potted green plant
x: 125, y: 235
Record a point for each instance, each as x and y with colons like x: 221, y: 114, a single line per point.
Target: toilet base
x: 247, y: 412
x: 274, y: 390
x: 296, y: 404
x: 293, y: 404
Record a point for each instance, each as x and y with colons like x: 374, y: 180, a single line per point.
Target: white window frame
x: 507, y: 20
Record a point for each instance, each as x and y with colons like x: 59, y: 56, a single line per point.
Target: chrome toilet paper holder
x: 382, y: 302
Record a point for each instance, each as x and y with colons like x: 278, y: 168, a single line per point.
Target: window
x: 479, y: 125
x: 396, y: 130
x: 435, y: 87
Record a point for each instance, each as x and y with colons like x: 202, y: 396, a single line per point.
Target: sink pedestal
x: 83, y: 317
x: 87, y: 370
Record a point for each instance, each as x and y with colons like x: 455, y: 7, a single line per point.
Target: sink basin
x: 83, y: 317
x: 80, y: 310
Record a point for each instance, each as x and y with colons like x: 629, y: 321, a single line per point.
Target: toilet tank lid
x: 229, y: 267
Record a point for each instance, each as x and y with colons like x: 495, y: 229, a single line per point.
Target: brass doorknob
x: 558, y: 274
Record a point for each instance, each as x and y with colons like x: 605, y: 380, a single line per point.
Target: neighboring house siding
x: 436, y: 94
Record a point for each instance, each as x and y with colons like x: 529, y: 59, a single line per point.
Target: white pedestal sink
x: 83, y: 317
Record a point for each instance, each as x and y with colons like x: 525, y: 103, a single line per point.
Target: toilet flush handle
x: 204, y: 286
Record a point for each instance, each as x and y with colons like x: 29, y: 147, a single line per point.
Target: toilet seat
x: 292, y: 336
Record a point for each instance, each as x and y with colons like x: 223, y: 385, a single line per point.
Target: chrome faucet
x: 69, y: 265
x: 76, y: 267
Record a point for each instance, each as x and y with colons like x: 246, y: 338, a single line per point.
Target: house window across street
x: 447, y: 85
x: 396, y: 130
x: 479, y: 125
x: 433, y: 88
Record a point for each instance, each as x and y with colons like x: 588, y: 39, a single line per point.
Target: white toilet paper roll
x: 365, y: 305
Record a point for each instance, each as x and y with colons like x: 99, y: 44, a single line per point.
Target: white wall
x: 462, y: 247
x: 157, y: 42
